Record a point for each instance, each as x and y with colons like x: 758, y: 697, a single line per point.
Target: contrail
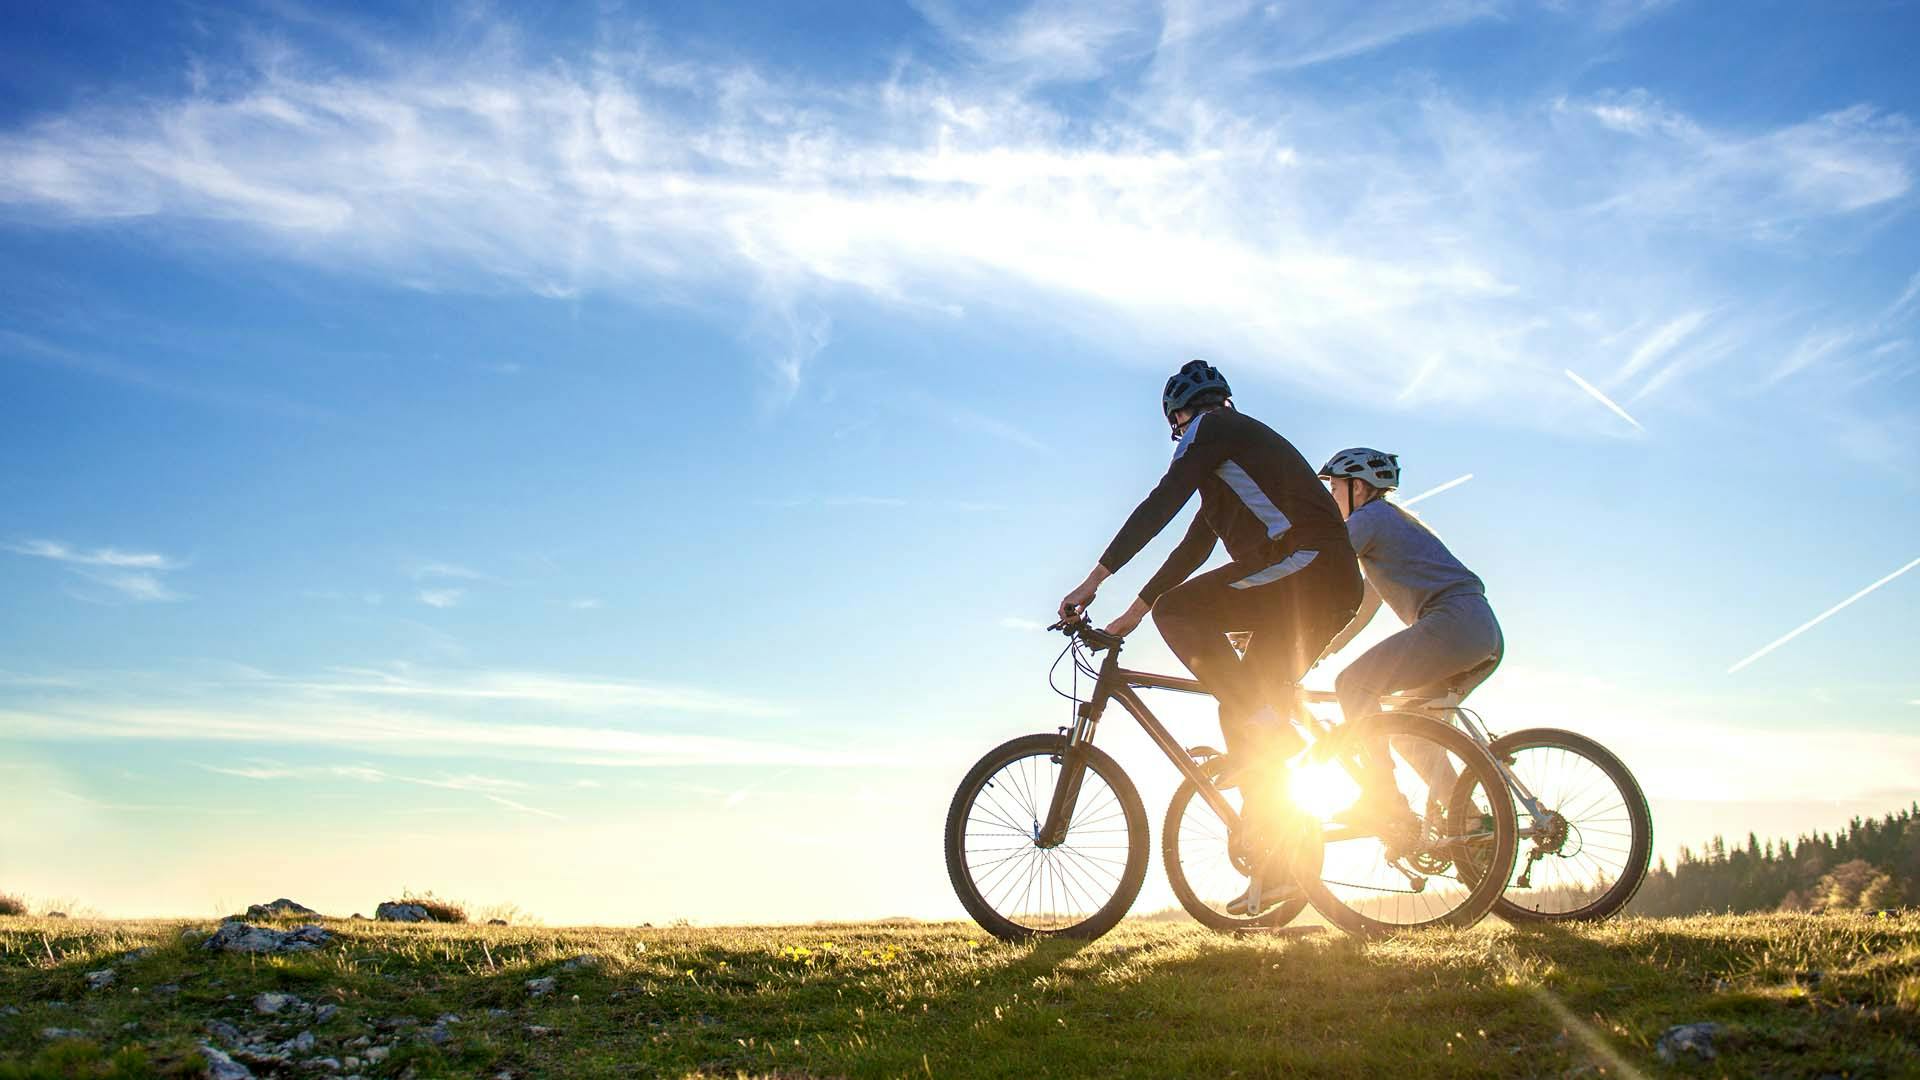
x: 1602, y: 398
x: 1822, y: 617
x: 1431, y: 492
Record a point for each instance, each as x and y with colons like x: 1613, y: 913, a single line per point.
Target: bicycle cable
x: 1054, y: 671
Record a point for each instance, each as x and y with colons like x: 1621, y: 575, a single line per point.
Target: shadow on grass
x: 1150, y: 999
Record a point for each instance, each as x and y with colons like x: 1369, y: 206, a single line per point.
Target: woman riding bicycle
x: 1452, y: 641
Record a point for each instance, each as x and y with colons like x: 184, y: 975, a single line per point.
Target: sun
x: 1322, y: 788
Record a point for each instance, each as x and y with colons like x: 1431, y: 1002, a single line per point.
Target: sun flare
x: 1322, y: 788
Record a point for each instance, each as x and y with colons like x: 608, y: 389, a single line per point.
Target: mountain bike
x: 1047, y: 835
x: 1583, y: 819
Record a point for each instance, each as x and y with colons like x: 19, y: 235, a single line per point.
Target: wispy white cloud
x: 369, y: 727
x: 14, y: 344
x: 486, y: 787
x: 63, y: 682
x: 1661, y: 342
x: 548, y: 690
x: 1766, y: 184
x: 1864, y: 338
x: 98, y: 557
x: 522, y: 807
x: 412, y: 734
x: 879, y: 502
x: 1016, y: 622
x: 586, y: 603
x: 442, y: 598
x: 432, y: 570
x: 1197, y: 197
x: 125, y: 575
x: 368, y: 774
x: 962, y: 418
x: 253, y: 772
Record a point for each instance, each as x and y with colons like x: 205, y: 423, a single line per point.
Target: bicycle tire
x: 961, y: 872
x: 1634, y: 802
x: 1483, y: 889
x: 1206, y: 914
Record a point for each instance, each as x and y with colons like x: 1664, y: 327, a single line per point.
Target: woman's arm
x: 1369, y: 607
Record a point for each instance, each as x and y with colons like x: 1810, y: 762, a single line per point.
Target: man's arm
x: 1191, y: 462
x: 1182, y: 561
x: 1185, y: 558
x: 1369, y: 607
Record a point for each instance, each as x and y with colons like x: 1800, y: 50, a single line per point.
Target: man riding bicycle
x: 1293, y: 582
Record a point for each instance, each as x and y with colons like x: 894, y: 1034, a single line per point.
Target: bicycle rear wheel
x: 1206, y: 874
x: 1386, y: 872
x: 1016, y: 889
x: 1586, y: 854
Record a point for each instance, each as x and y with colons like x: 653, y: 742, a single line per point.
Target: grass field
x: 1795, y: 996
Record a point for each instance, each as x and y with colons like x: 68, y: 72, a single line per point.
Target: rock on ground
x: 100, y: 980
x: 391, y: 911
x: 240, y: 937
x: 282, y: 908
x: 541, y: 987
x: 1692, y: 1039
x: 222, y: 1067
x: 270, y: 1004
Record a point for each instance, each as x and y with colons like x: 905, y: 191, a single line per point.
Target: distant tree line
x: 1874, y: 864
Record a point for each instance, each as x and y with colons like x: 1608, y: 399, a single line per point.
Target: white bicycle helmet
x: 1376, y: 467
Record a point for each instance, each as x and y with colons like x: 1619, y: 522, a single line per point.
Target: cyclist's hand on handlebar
x: 1074, y: 604
x: 1128, y: 621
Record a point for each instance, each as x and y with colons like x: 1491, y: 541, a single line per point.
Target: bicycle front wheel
x: 1015, y: 888
x: 1432, y: 849
x: 1584, y: 855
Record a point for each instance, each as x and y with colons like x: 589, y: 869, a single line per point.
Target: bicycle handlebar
x: 1097, y: 640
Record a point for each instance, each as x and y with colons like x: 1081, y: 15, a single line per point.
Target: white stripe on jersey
x: 1294, y: 562
x: 1255, y: 499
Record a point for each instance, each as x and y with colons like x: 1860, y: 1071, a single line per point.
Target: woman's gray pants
x: 1451, y: 638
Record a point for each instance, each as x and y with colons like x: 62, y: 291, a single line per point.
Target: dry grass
x: 438, y: 910
x: 1795, y: 995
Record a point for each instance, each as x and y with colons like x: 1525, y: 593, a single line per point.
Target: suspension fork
x: 1073, y: 757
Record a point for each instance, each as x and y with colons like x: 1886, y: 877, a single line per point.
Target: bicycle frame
x: 1118, y: 684
x: 1466, y: 720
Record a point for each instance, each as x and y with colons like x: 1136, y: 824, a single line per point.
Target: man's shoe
x: 1271, y: 895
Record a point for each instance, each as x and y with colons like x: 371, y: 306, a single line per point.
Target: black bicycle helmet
x: 1195, y: 377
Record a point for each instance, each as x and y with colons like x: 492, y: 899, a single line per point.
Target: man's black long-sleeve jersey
x: 1256, y: 493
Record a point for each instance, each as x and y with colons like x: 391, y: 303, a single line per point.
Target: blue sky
x: 616, y: 462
